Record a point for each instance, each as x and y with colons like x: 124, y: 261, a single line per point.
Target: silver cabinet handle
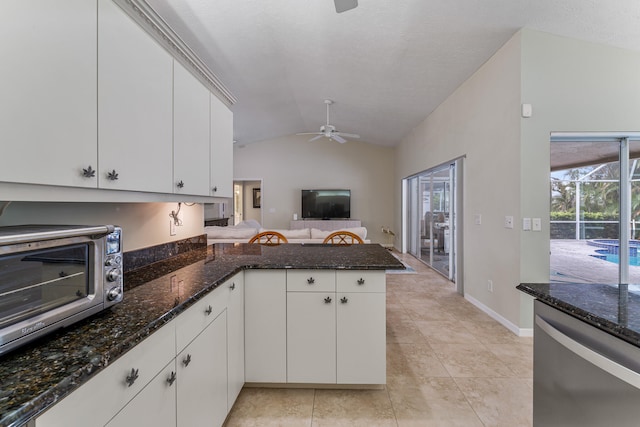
x: 88, y: 172
x: 361, y: 281
x: 327, y: 300
x: 186, y: 360
x: 344, y: 300
x: 112, y: 176
x: 233, y: 286
x: 617, y: 370
x: 214, y: 189
x: 180, y: 184
x: 311, y: 280
x: 208, y: 311
x: 132, y: 377
x: 172, y: 378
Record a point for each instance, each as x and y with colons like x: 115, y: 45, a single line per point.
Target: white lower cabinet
x: 154, y: 406
x: 315, y: 326
x: 202, y: 377
x: 178, y: 376
x: 311, y: 337
x: 97, y: 401
x: 265, y: 305
x: 235, y: 337
x: 361, y: 338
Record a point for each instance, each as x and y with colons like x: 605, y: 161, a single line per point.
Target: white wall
x: 290, y: 164
x: 573, y: 86
x: 480, y: 120
x: 143, y: 224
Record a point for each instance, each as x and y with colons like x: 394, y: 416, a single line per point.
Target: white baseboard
x: 521, y: 332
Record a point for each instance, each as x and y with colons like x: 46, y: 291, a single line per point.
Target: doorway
x: 246, y: 206
x: 431, y: 233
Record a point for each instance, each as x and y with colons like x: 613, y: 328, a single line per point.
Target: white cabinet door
x: 135, y: 81
x: 235, y: 337
x: 265, y: 306
x: 48, y: 91
x: 191, y: 143
x: 154, y: 406
x: 311, y: 337
x: 361, y: 338
x: 97, y: 401
x: 221, y: 149
x: 202, y: 377
x: 193, y: 321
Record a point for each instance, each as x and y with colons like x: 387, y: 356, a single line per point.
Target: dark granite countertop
x: 34, y: 377
x: 612, y: 308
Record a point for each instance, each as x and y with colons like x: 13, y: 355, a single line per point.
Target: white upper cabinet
x: 48, y: 91
x: 190, y: 133
x: 221, y: 149
x: 135, y: 105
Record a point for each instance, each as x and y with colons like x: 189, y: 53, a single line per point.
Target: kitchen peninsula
x: 215, y: 292
x: 586, y: 354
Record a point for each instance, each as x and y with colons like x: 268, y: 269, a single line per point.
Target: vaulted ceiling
x: 387, y: 64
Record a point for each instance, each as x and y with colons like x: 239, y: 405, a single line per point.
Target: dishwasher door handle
x: 619, y: 371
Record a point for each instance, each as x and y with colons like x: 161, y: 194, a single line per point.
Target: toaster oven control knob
x: 113, y: 275
x: 114, y: 293
x: 113, y: 261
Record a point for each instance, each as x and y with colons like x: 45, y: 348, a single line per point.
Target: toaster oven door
x: 44, y: 284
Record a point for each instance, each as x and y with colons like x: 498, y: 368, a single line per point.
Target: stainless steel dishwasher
x: 583, y: 376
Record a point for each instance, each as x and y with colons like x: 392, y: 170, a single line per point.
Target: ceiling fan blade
x: 344, y: 5
x: 338, y: 138
x: 310, y: 133
x: 348, y: 135
x: 316, y: 137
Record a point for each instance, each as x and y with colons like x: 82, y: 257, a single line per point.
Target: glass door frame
x: 413, y: 215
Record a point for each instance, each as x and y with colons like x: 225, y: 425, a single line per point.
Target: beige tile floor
x: 448, y: 364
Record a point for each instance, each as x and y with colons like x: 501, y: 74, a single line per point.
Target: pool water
x: 633, y: 260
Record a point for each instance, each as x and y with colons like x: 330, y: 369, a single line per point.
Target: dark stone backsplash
x: 140, y: 258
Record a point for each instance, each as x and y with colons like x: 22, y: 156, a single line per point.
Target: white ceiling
x: 387, y: 64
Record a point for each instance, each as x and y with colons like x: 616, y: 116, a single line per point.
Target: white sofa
x: 244, y: 231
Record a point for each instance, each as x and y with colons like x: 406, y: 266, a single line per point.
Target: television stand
x: 325, y: 224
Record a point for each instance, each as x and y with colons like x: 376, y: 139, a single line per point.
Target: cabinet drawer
x: 361, y: 281
x: 193, y: 321
x: 110, y: 386
x: 311, y: 280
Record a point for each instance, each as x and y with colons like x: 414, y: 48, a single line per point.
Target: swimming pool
x: 610, y: 250
x: 615, y: 258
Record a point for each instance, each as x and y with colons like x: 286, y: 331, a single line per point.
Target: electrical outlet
x: 508, y: 222
x: 172, y: 228
x: 490, y: 285
x: 477, y: 218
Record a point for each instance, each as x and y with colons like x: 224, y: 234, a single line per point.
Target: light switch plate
x: 526, y: 224
x: 537, y: 224
x: 477, y: 218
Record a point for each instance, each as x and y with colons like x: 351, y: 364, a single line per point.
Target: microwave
x: 52, y: 276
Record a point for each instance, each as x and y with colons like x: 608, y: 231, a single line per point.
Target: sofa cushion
x: 215, y: 232
x: 320, y: 234
x: 303, y: 233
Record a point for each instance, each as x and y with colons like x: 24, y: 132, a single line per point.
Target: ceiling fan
x: 344, y: 5
x: 329, y: 131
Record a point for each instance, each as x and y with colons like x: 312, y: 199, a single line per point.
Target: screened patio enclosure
x: 594, y: 200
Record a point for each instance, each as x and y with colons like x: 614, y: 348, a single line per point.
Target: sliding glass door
x: 431, y: 218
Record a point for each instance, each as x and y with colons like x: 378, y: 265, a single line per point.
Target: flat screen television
x: 326, y: 204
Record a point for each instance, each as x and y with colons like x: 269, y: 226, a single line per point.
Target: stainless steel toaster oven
x: 52, y: 276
